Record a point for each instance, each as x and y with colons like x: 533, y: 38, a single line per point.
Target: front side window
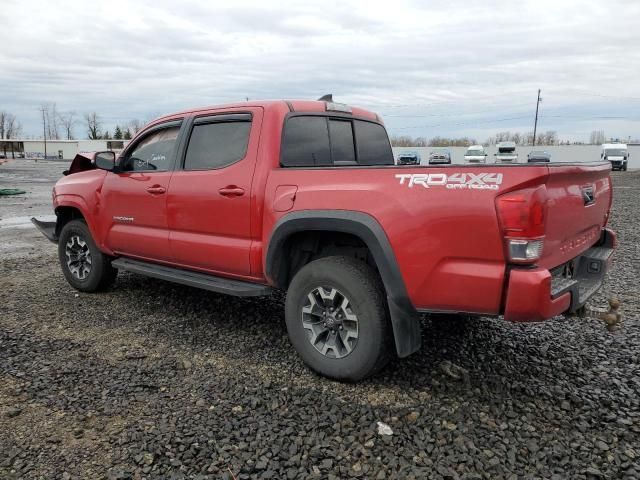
x: 153, y: 153
x: 217, y: 145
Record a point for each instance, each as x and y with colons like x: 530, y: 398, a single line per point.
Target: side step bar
x: 212, y: 283
x: 48, y: 229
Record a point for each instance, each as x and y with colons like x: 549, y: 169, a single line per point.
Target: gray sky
x: 430, y: 68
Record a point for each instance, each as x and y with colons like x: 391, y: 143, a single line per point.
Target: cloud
x: 470, y: 66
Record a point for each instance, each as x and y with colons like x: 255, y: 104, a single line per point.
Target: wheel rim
x: 330, y: 323
x: 78, y: 257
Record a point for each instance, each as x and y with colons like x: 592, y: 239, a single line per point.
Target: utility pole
x: 535, y: 125
x: 44, y: 131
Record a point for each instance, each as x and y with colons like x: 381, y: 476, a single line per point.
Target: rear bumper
x: 537, y: 294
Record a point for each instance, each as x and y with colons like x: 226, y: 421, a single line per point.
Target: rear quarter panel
x: 446, y: 240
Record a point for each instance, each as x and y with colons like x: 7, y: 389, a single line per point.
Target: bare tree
x: 597, y: 137
x: 67, y: 121
x: 3, y: 121
x: 93, y: 125
x: 550, y: 137
x: 13, y: 128
x: 135, y: 125
x: 50, y: 114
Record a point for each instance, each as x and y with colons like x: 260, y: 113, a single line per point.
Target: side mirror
x: 105, y: 161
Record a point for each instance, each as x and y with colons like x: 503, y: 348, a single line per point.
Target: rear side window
x: 217, y: 145
x: 341, y: 137
x: 306, y: 142
x: 373, y: 144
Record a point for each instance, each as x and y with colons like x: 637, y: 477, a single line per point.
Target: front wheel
x: 337, y: 318
x: 84, y: 266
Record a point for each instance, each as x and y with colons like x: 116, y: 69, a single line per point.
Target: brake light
x: 522, y: 216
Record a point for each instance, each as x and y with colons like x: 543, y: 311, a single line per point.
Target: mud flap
x: 406, y: 329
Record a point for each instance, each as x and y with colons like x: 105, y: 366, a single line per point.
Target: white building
x: 56, y: 149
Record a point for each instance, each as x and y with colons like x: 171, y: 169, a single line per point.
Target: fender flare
x: 71, y: 201
x: 405, y: 319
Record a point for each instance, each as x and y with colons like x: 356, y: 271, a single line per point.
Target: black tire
x: 100, y: 274
x: 363, y: 289
x: 625, y: 167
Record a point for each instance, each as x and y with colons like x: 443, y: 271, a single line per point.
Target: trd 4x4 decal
x: 456, y: 181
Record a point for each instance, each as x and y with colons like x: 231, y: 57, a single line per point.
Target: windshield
x: 615, y: 152
x: 474, y: 152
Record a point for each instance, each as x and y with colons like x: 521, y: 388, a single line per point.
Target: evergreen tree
x: 106, y: 135
x: 127, y: 134
x: 117, y: 134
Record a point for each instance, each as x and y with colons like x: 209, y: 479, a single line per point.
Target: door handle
x: 156, y: 190
x: 231, y: 191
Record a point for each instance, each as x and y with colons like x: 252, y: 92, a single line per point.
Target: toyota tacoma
x: 304, y: 196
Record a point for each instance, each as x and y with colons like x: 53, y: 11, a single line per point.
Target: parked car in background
x: 476, y: 154
x: 440, y: 157
x: 506, y: 152
x: 538, y: 156
x: 408, y: 158
x: 617, y: 154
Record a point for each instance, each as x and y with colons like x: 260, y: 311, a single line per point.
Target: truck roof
x: 614, y: 145
x: 310, y: 106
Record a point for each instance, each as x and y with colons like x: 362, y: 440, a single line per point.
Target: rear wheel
x: 84, y: 266
x: 337, y: 318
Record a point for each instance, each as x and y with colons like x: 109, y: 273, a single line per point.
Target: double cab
x: 304, y: 196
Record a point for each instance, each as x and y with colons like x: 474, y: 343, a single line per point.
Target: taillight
x: 522, y: 215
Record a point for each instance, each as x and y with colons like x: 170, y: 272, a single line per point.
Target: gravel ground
x: 153, y: 380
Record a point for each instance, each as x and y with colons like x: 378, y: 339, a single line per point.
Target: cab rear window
x: 321, y: 141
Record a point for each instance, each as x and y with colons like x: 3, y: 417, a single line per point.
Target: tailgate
x: 579, y: 201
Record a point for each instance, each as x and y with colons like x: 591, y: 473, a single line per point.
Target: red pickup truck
x: 305, y: 196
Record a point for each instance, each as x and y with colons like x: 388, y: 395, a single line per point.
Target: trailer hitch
x: 611, y: 317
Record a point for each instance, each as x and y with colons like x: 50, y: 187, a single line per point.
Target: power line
x: 463, y: 123
x: 436, y: 102
x: 429, y: 115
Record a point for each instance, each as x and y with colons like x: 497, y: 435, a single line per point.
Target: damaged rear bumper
x: 538, y: 294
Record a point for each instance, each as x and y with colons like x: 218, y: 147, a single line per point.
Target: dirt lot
x: 153, y: 380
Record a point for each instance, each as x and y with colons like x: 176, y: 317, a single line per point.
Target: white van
x: 617, y: 154
x: 506, y: 152
x: 475, y: 154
